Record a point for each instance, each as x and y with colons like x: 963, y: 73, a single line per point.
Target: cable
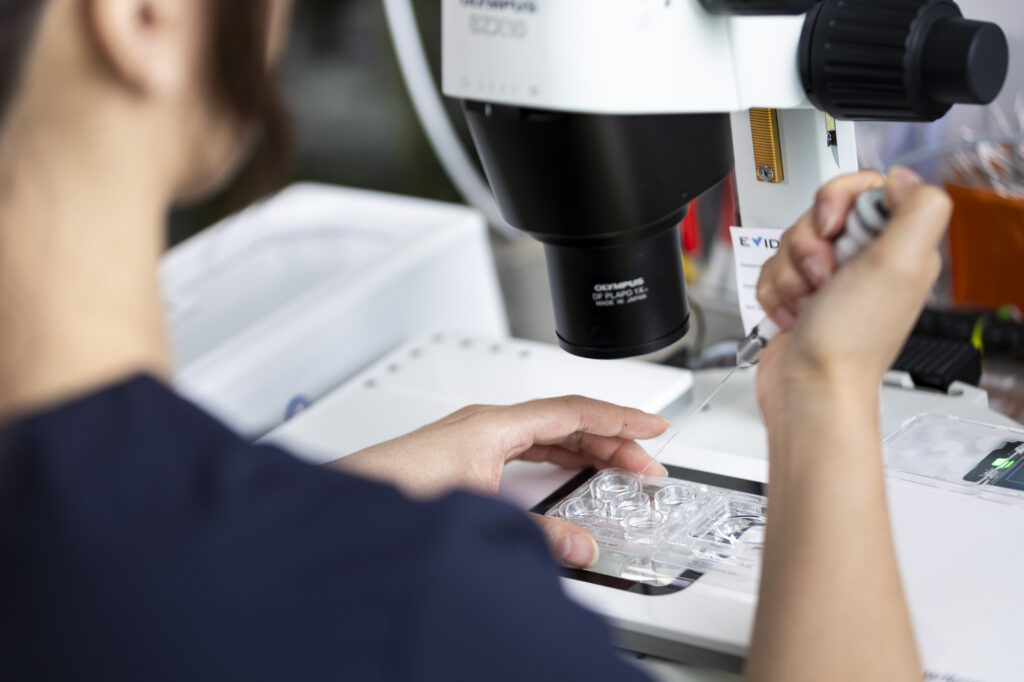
x: 430, y: 110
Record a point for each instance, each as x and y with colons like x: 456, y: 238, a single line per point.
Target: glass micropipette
x: 693, y: 415
x: 864, y: 224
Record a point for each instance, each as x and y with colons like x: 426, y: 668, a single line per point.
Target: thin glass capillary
x: 693, y: 415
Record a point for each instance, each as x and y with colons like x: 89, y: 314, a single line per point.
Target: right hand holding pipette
x: 829, y: 573
x: 846, y: 326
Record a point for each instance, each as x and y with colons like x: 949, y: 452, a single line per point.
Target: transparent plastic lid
x: 652, y: 530
x: 959, y: 455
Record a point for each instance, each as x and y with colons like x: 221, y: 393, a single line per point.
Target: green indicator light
x: 1003, y: 463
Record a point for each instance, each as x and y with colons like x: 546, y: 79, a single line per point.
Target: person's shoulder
x: 473, y: 525
x: 148, y: 454
x: 139, y: 407
x: 484, y: 601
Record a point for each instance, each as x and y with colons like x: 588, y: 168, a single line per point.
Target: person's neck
x: 81, y: 233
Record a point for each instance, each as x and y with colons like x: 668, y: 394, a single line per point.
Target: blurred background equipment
x: 357, y: 128
x: 986, y: 245
x: 273, y: 308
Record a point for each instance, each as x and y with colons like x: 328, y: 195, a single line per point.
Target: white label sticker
x: 753, y: 247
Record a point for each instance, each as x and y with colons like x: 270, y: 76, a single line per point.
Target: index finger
x: 550, y: 421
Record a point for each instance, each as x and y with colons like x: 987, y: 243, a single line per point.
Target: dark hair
x: 240, y: 78
x: 18, y: 19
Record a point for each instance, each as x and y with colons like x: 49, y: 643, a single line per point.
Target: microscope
x: 599, y: 121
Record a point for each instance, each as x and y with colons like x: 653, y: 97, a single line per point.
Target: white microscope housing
x: 599, y: 121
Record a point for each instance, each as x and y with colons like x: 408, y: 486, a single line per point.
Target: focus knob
x: 899, y: 60
x: 763, y: 7
x: 964, y: 62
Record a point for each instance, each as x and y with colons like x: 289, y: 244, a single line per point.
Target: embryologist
x: 142, y: 540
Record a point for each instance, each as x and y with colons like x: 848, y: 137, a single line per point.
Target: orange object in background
x: 986, y: 240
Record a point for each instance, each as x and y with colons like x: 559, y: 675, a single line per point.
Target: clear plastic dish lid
x: 652, y: 529
x: 959, y: 455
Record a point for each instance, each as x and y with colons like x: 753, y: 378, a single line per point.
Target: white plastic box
x: 274, y: 307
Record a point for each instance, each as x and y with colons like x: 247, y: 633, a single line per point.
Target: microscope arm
x: 812, y: 150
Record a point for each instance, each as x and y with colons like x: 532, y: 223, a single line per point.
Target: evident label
x: 752, y: 248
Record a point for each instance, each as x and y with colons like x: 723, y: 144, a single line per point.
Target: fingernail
x: 579, y: 550
x: 784, y: 318
x: 827, y: 218
x: 802, y: 303
x: 900, y: 177
x: 664, y: 421
x: 815, y: 270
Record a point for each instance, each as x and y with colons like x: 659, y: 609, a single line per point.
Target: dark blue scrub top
x: 142, y: 540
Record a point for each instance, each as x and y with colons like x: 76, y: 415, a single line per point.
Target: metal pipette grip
x: 865, y: 223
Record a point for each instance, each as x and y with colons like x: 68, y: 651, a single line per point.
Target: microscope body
x: 599, y: 121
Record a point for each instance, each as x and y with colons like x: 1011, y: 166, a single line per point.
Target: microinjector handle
x: 865, y: 223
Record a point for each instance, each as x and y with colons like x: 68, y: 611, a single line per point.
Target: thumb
x: 571, y: 545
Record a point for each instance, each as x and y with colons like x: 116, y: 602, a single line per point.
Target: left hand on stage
x: 468, y: 450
